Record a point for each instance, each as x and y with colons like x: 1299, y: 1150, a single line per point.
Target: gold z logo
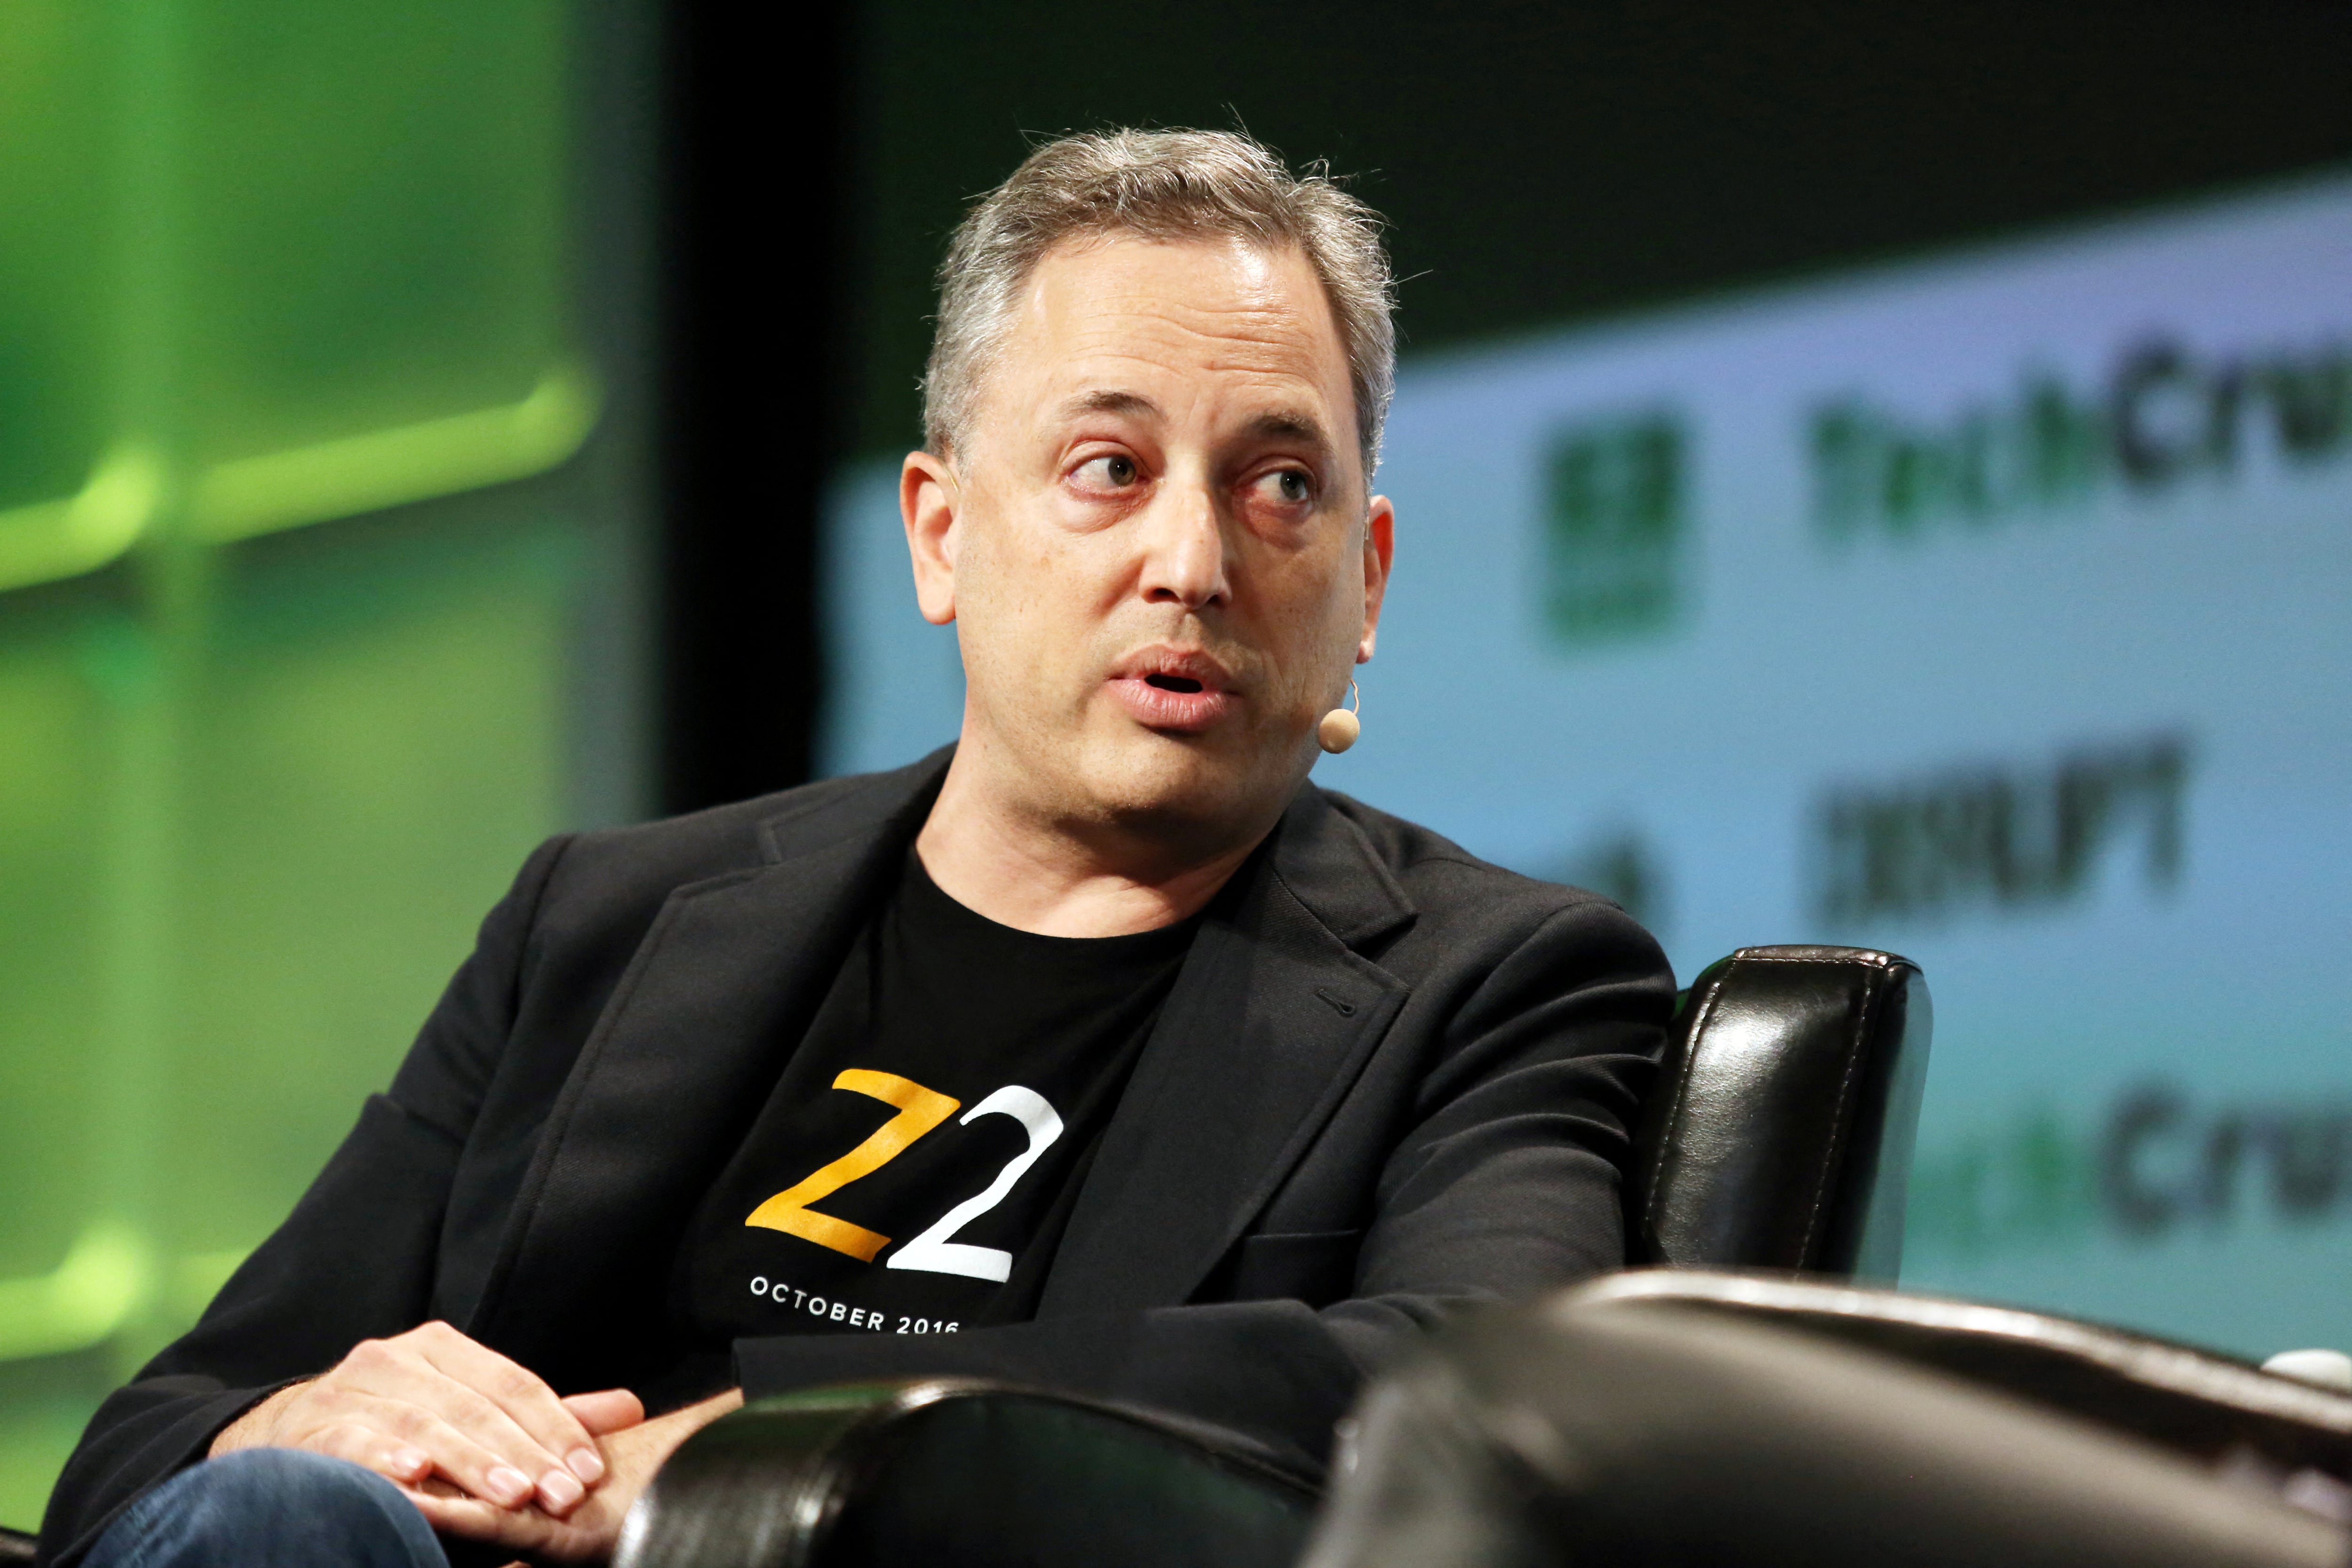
x: 920, y: 1110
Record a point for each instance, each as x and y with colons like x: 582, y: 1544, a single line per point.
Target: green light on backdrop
x: 63, y: 508
x: 263, y: 264
x: 296, y: 262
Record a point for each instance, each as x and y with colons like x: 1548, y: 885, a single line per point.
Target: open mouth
x: 1175, y: 691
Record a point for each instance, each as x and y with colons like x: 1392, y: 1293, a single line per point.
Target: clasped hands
x: 483, y: 1446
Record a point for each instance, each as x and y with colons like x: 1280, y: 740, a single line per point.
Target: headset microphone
x: 1340, y: 728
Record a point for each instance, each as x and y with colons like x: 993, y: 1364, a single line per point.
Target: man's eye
x: 1115, y: 473
x: 1290, y: 487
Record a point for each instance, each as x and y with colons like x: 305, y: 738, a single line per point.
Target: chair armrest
x: 964, y: 1471
x: 15, y: 1546
x: 1778, y: 1134
x: 2199, y: 1403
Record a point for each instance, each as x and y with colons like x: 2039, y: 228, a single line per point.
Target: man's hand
x: 590, y: 1532
x: 432, y: 1403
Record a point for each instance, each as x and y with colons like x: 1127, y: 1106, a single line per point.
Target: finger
x: 529, y: 1533
x: 607, y: 1411
x: 391, y: 1458
x: 399, y: 1427
x: 405, y: 1370
x: 526, y: 1402
x: 471, y: 1519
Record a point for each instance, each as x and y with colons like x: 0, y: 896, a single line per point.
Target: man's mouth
x: 1175, y: 692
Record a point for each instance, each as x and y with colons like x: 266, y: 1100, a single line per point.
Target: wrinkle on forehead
x: 1252, y: 318
x: 1273, y: 338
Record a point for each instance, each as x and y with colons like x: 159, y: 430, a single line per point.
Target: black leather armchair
x: 1779, y: 1137
x: 1760, y: 1421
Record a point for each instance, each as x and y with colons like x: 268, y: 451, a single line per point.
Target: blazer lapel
x: 719, y: 992
x: 1270, y: 1021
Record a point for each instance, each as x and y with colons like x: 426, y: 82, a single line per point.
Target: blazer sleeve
x: 1504, y: 1184
x: 353, y: 1261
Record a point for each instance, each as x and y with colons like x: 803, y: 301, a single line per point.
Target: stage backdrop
x: 1994, y: 608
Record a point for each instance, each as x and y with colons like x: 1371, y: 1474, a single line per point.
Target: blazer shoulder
x: 1439, y: 875
x: 623, y: 872
x: 1470, y: 911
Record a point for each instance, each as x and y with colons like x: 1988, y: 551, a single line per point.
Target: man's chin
x: 1186, y: 780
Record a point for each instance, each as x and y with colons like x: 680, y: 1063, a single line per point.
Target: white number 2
x: 932, y: 1251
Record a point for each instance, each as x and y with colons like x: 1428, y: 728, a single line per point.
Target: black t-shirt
x: 916, y: 1164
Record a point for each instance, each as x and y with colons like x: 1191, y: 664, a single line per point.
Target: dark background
x: 1540, y: 164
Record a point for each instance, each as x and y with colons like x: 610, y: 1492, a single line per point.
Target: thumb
x: 607, y: 1411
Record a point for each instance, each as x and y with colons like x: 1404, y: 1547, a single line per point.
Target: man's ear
x: 930, y: 502
x: 1380, y: 553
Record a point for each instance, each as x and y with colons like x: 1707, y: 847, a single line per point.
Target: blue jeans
x: 271, y: 1508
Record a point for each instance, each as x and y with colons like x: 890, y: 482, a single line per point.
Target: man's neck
x: 1022, y: 871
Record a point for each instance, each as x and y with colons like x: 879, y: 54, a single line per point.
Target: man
x: 1102, y: 1051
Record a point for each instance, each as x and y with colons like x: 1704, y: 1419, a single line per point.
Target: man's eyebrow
x: 1274, y: 424
x: 1291, y: 425
x: 1109, y: 402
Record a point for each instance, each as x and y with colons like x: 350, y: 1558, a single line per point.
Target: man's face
x: 1157, y: 544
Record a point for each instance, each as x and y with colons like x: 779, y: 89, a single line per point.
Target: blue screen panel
x: 1995, y: 608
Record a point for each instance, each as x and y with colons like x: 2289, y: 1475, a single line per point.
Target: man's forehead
x: 1227, y: 288
x: 1107, y: 326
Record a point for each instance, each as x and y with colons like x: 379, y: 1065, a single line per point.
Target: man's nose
x: 1184, y: 549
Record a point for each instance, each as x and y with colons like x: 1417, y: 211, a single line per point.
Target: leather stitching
x: 1832, y: 1156
x: 1705, y: 1007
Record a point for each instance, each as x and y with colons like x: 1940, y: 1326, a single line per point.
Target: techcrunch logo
x: 2158, y: 1160
x: 1616, y: 503
x: 2163, y: 415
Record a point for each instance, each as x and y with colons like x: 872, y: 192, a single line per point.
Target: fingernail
x: 560, y: 1489
x: 587, y: 1464
x: 508, y: 1485
x: 411, y: 1462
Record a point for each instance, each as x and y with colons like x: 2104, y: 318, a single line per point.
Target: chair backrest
x: 1768, y: 1420
x: 1779, y: 1133
x: 2213, y: 1408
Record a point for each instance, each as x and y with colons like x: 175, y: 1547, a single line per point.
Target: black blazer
x: 1391, y: 1079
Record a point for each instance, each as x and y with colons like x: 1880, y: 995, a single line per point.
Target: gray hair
x: 1160, y: 185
